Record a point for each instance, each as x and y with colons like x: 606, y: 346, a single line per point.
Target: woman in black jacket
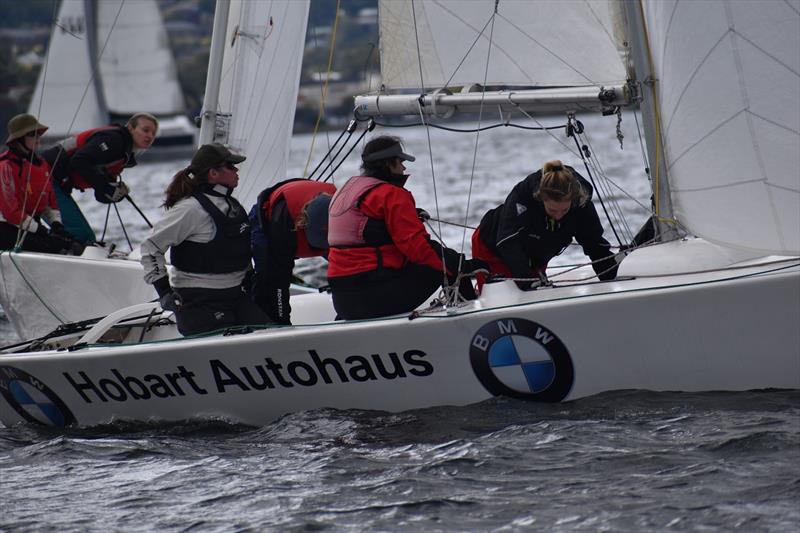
x: 539, y: 218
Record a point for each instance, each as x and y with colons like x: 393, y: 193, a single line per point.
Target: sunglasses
x: 229, y: 166
x: 33, y: 134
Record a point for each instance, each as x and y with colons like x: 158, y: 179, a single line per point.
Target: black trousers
x: 203, y: 310
x: 33, y: 242
x: 387, y: 291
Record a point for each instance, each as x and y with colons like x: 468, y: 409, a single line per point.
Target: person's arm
x: 10, y: 207
x: 589, y: 234
x: 176, y: 226
x: 102, y: 148
x: 396, y: 206
x: 511, y: 229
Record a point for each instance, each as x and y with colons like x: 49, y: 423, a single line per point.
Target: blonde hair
x: 558, y: 183
x: 134, y: 120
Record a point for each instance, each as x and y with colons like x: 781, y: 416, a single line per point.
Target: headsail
x: 258, y: 91
x: 729, y: 97
x: 66, y: 97
x: 137, y: 67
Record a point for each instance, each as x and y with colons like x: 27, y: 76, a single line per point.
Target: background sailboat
x: 254, y: 114
x: 106, y: 61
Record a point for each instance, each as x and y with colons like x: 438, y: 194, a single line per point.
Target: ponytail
x: 184, y: 183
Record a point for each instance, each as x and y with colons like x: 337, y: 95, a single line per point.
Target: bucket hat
x: 21, y: 125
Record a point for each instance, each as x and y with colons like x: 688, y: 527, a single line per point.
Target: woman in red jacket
x: 26, y: 194
x: 381, y: 260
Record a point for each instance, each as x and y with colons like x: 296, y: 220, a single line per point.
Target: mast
x: 645, y: 81
x: 94, y: 53
x: 211, y: 97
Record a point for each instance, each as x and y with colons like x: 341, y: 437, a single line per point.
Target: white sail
x: 66, y: 96
x: 258, y: 90
x: 136, y: 66
x: 729, y: 97
x: 540, y: 43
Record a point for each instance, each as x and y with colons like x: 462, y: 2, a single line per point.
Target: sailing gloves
x: 112, y: 193
x: 423, y: 215
x: 167, y: 297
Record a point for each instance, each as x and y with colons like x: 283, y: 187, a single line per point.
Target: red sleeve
x: 9, y: 202
x: 396, y: 206
x: 51, y: 193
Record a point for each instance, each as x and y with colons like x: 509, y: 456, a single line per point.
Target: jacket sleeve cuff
x: 162, y: 286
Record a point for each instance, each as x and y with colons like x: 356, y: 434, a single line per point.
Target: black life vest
x: 228, y: 251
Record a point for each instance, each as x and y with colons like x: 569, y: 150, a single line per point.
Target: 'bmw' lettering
x: 521, y: 359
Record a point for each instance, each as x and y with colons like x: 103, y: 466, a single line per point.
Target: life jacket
x: 297, y: 194
x: 70, y: 145
x: 348, y: 225
x: 228, y: 251
x: 33, y: 174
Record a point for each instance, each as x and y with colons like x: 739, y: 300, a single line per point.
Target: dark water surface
x: 624, y: 461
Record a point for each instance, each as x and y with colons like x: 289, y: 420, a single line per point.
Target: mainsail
x: 137, y: 68
x: 539, y: 43
x: 258, y: 90
x: 729, y: 96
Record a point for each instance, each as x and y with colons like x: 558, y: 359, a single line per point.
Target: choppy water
x: 624, y: 461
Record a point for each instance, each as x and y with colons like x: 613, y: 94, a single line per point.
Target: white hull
x: 40, y: 292
x: 730, y: 329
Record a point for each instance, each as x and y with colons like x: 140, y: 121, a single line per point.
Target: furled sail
x: 136, y: 66
x: 258, y: 90
x: 729, y: 98
x: 66, y: 97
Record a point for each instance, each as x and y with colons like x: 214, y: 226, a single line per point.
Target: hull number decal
x: 521, y: 359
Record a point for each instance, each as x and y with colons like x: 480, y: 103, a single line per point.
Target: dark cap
x: 393, y: 151
x: 21, y: 125
x: 211, y: 156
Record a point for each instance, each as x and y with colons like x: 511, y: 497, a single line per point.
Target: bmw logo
x: 32, y: 399
x: 521, y: 359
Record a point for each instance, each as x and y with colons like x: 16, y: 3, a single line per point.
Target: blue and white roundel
x: 33, y: 400
x: 522, y: 359
x: 521, y: 363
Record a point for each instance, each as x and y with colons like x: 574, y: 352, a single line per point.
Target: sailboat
x: 713, y: 305
x: 106, y: 61
x: 253, y: 112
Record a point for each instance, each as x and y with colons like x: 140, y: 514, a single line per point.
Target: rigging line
x: 330, y: 149
x: 325, y: 87
x: 604, y: 182
x: 122, y: 225
x: 591, y: 178
x: 642, y: 148
x: 469, y: 50
x: 427, y: 132
x: 105, y: 225
x: 339, y: 151
x: 370, y: 127
x: 547, y: 130
x: 33, y: 289
x: 478, y: 133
